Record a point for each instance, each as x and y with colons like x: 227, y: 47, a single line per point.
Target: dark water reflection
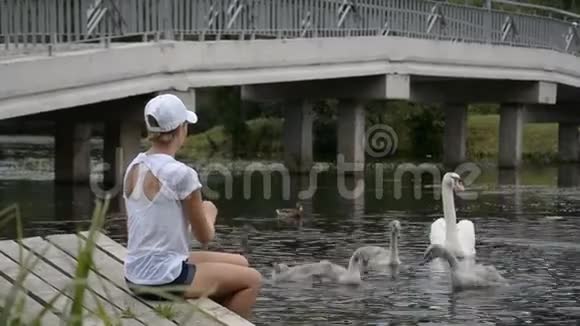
x: 527, y: 225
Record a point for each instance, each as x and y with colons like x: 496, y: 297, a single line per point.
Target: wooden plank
x: 119, y: 253
x: 113, y: 303
x: 208, y: 306
x: 112, y: 269
x: 57, y: 279
x: 109, y: 246
x: 31, y: 306
x: 220, y: 313
x: 43, y: 270
x: 123, y: 299
x: 34, y: 285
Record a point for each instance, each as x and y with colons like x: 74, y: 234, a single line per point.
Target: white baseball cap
x: 169, y: 111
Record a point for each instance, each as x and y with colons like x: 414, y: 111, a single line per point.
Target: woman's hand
x: 201, y: 215
x: 210, y: 211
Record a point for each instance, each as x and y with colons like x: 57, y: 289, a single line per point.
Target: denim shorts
x: 184, y: 279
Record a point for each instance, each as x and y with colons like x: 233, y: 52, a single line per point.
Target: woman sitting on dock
x: 164, y: 208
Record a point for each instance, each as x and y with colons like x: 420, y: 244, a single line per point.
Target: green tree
x: 227, y: 102
x: 426, y: 125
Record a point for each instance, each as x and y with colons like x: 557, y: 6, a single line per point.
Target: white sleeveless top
x: 159, y: 234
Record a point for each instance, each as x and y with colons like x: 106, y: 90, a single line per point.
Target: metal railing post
x: 53, y: 41
x: 4, y: 23
x: 166, y: 15
x: 488, y: 23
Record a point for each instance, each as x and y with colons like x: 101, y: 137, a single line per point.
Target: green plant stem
x: 85, y: 262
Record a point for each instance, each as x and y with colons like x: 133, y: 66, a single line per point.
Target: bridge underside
x: 418, y: 89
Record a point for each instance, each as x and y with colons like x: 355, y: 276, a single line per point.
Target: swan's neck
x: 394, y: 247
x: 354, y: 268
x: 449, y: 213
x: 447, y: 255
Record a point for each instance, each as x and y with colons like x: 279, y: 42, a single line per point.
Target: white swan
x: 375, y: 257
x: 459, y: 238
x: 466, y: 274
x: 350, y: 275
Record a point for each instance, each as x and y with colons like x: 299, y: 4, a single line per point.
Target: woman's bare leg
x: 198, y: 257
x: 236, y: 286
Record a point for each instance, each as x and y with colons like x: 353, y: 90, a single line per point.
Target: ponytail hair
x: 160, y: 137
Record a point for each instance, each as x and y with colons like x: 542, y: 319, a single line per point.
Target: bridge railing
x: 26, y: 24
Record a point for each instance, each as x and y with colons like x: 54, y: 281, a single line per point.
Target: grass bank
x: 264, y: 140
x: 540, y: 141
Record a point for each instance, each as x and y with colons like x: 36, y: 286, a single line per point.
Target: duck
x: 290, y: 213
x: 375, y: 257
x: 466, y: 274
x: 458, y: 238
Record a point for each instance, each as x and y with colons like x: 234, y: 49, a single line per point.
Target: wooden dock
x: 50, y: 280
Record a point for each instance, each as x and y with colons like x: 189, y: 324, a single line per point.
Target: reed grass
x: 166, y: 310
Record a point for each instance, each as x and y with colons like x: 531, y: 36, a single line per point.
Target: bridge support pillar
x: 121, y: 144
x: 568, y: 142
x: 455, y: 134
x: 351, y: 136
x: 297, y: 138
x: 511, y: 128
x: 568, y: 175
x: 72, y: 148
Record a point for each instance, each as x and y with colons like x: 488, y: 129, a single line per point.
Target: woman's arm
x: 201, y: 215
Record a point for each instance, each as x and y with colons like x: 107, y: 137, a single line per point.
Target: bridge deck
x: 42, y: 50
x: 10, y: 51
x: 52, y: 262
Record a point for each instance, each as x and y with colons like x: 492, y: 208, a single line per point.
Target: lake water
x: 527, y: 226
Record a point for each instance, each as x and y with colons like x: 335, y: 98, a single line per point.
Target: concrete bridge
x: 84, y: 63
